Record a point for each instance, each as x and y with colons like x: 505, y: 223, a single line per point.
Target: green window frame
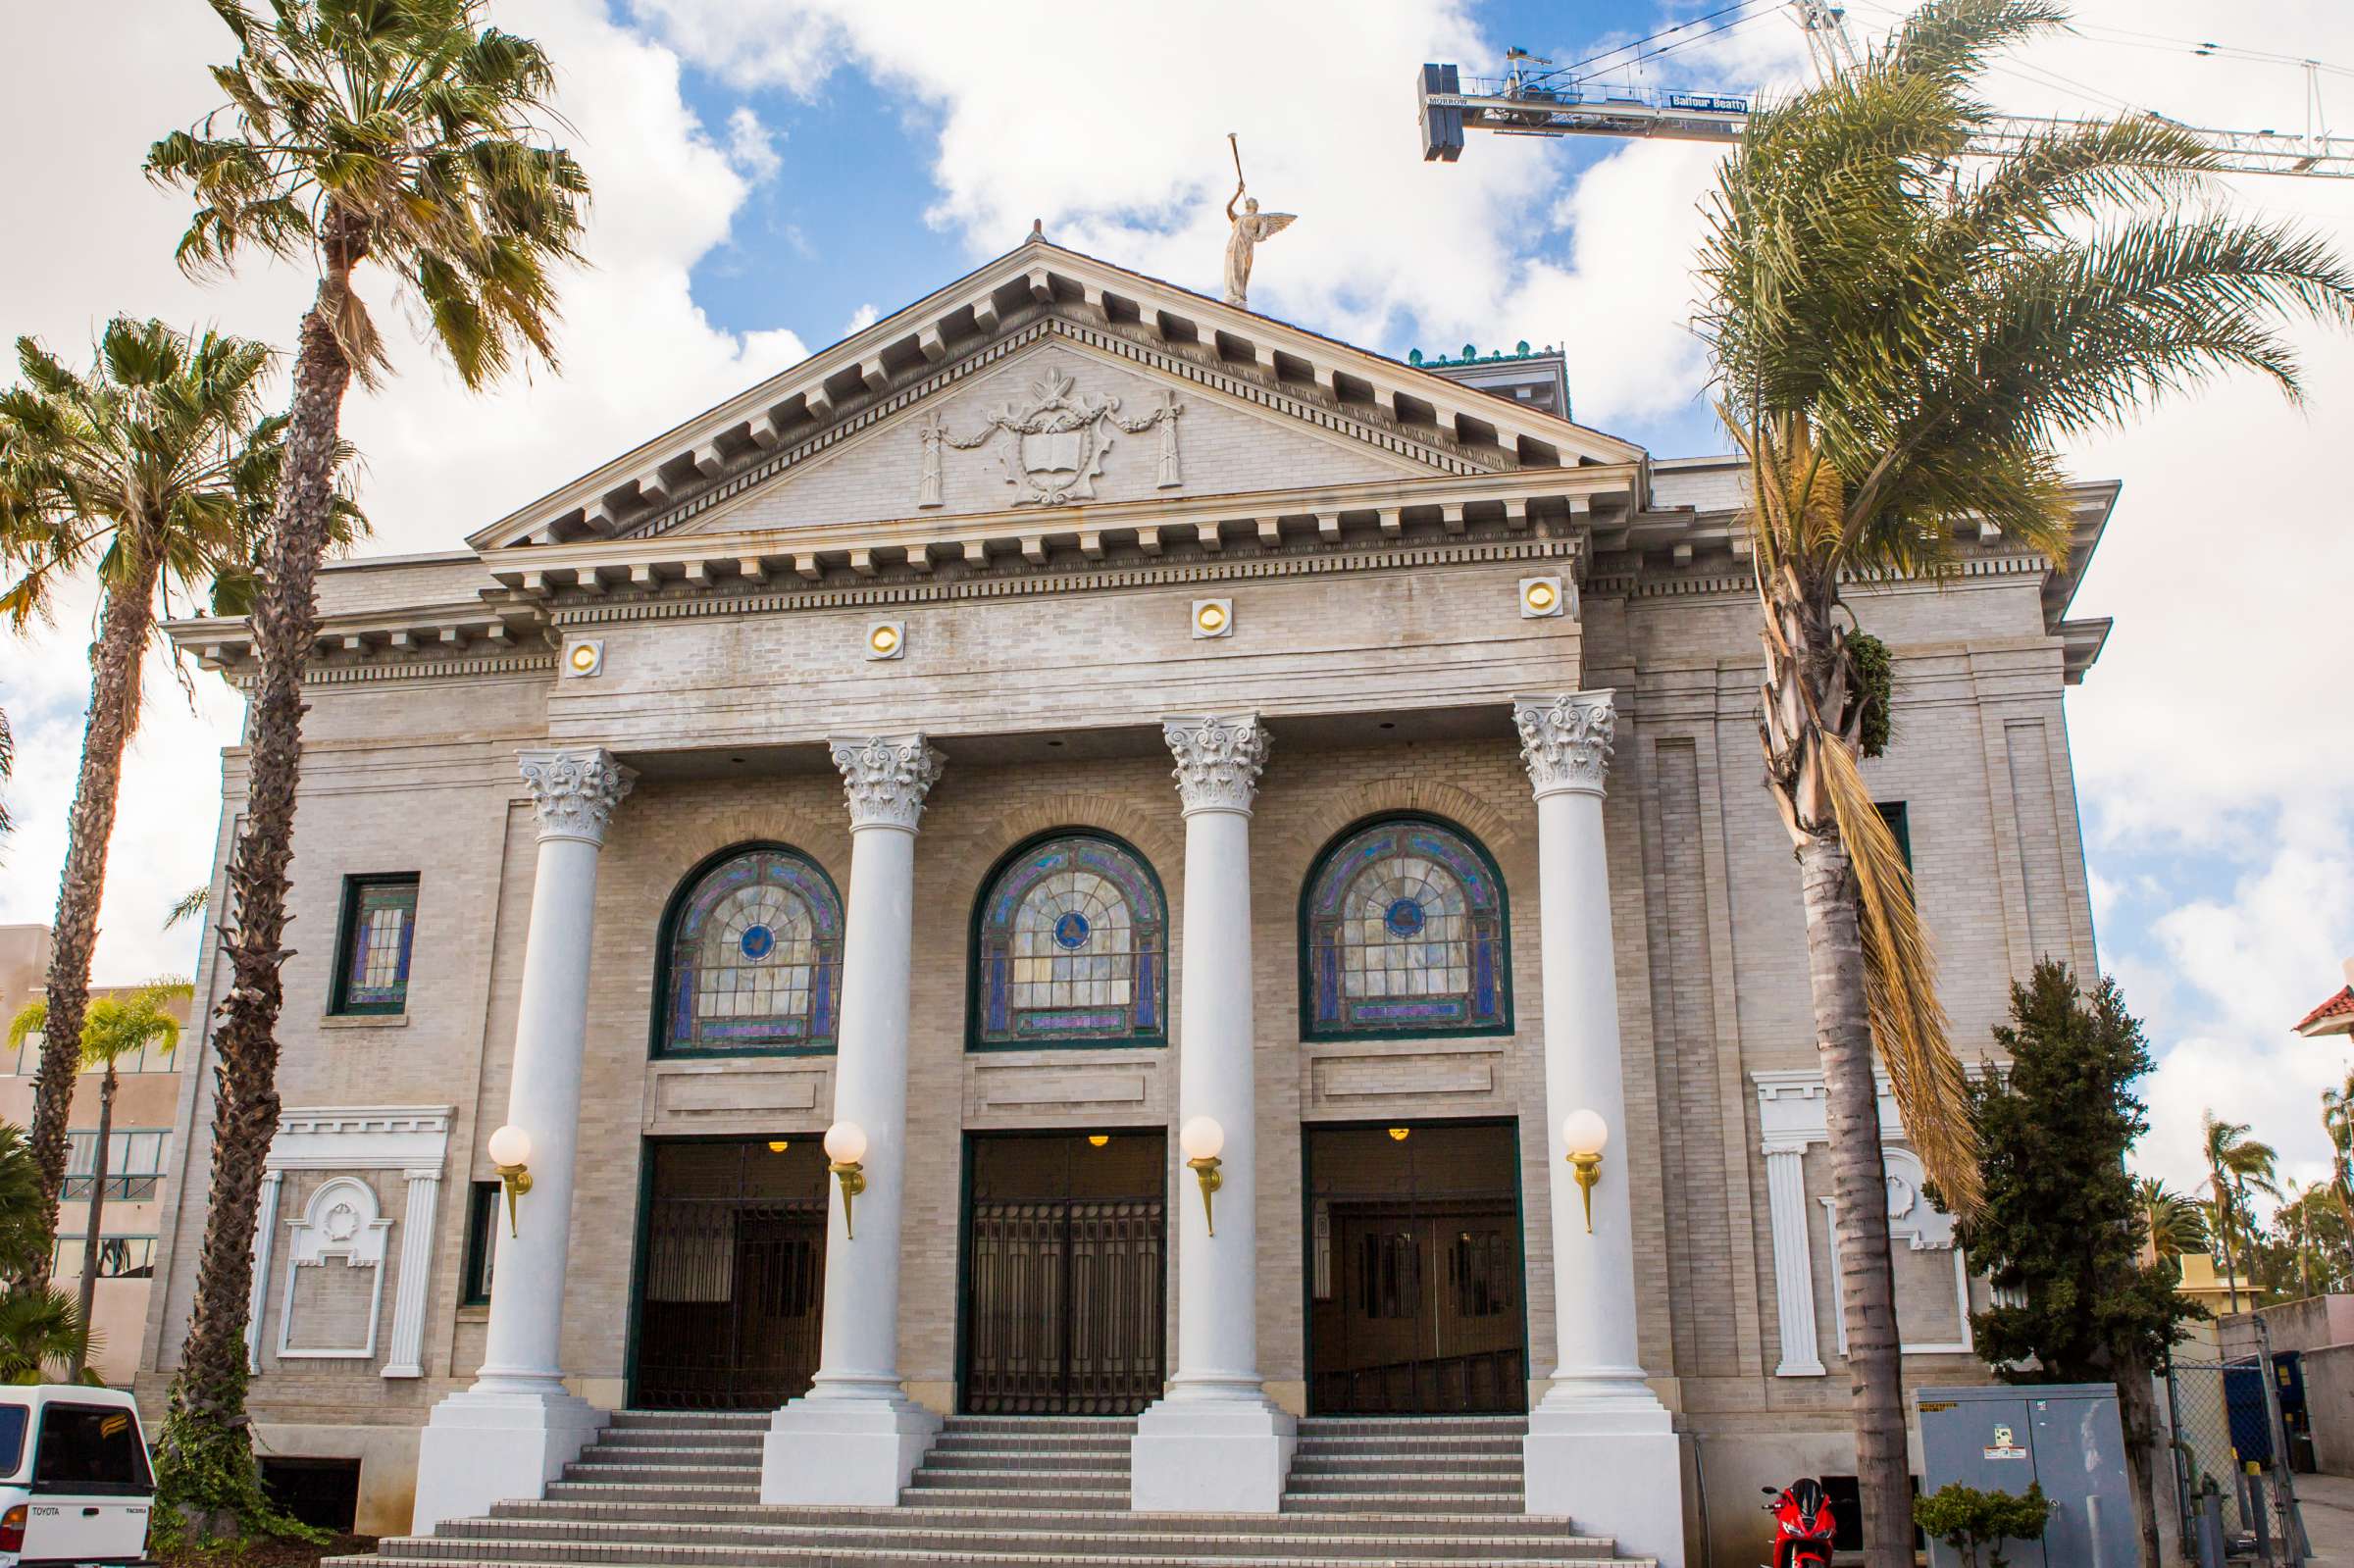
x: 1899, y: 818
x: 482, y: 1244
x: 374, y: 941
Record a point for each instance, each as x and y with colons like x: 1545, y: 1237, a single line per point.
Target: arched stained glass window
x: 1070, y: 947
x: 754, y: 956
x: 1403, y: 934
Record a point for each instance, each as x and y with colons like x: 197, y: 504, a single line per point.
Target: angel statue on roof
x: 1251, y: 226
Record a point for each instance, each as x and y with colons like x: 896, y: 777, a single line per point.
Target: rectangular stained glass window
x: 372, y: 961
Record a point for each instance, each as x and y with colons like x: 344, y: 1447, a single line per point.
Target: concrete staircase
x: 660, y: 1487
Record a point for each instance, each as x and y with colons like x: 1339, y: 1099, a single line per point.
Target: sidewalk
x: 2328, y: 1505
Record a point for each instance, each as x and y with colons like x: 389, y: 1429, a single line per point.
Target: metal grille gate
x: 732, y: 1282
x: 1065, y: 1306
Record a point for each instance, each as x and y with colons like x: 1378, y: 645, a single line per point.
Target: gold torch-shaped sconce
x: 1200, y: 1137
x: 845, y: 1146
x: 1585, y: 1135
x: 510, y: 1153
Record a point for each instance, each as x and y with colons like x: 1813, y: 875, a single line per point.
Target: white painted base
x: 1611, y: 1464
x: 847, y: 1453
x: 1211, y: 1456
x: 480, y: 1447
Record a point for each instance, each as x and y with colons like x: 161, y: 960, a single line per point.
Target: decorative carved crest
x: 1057, y: 443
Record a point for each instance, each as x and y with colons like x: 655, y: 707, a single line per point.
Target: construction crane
x: 1529, y: 100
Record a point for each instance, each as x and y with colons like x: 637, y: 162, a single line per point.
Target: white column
x: 1213, y: 1443
x: 265, y: 1244
x: 415, y: 1274
x: 1792, y: 1260
x: 517, y: 1427
x: 1601, y: 1447
x: 855, y: 1437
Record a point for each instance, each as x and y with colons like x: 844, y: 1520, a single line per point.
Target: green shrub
x: 1966, y: 1519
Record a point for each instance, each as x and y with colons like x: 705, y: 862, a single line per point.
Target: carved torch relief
x: 1055, y: 442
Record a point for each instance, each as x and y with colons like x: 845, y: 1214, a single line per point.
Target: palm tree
x: 2337, y: 1120
x: 39, y: 1328
x: 401, y: 133
x: 8, y: 768
x: 1899, y: 343
x: 2235, y: 1164
x: 146, y: 472
x: 114, y: 1027
x: 2172, y: 1222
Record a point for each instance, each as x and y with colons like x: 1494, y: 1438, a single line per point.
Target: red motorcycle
x: 1803, y: 1526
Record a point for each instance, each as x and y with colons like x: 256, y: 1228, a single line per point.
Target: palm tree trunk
x: 92, y: 1232
x: 113, y: 713
x: 206, y: 1458
x: 1867, y: 1280
x: 2223, y: 1218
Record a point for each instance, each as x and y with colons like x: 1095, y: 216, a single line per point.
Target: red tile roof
x: 2334, y: 1017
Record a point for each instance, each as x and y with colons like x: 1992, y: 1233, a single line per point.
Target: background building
x: 145, y: 1102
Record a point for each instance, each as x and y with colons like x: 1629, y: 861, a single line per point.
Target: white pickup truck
x: 74, y: 1485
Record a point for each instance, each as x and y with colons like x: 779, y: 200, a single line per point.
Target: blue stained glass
x: 755, y: 957
x: 1404, y: 926
x: 1070, y: 948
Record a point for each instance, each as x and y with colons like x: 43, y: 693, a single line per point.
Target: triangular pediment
x: 1050, y: 379
x: 1056, y: 423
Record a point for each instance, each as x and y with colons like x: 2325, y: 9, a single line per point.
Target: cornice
x: 241, y: 672
x: 574, y: 611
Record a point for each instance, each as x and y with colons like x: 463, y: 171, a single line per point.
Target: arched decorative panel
x: 1070, y: 947
x: 752, y: 951
x: 1403, y: 931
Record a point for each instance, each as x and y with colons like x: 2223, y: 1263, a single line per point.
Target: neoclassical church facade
x: 1088, y: 854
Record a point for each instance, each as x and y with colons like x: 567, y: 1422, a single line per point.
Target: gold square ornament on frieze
x: 1213, y: 618
x: 886, y: 640
x: 586, y: 657
x: 1542, y: 598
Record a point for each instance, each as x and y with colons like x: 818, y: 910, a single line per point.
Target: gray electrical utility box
x: 2062, y: 1434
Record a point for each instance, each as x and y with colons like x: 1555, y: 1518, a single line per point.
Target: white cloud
x: 636, y: 354
x: 864, y: 317
x: 1127, y: 158
x: 752, y: 146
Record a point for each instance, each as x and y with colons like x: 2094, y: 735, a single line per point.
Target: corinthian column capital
x: 1219, y: 760
x: 1566, y: 740
x: 886, y: 778
x: 574, y: 793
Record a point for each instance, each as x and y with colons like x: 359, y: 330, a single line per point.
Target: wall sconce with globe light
x: 846, y: 1148
x: 510, y: 1156
x: 1202, y: 1137
x: 1584, y: 1135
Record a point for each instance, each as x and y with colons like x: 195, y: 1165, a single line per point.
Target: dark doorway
x: 1064, y: 1293
x: 731, y: 1273
x: 1414, y: 1275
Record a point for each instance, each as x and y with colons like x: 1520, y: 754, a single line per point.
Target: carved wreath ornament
x: 1056, y: 444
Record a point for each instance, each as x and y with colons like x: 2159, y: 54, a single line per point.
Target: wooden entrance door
x: 1416, y: 1271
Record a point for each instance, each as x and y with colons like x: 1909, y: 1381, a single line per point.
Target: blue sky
x: 769, y: 170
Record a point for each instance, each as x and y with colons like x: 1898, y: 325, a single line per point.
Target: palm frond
x: 1909, y: 1024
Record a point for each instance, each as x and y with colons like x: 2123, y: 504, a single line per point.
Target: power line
x: 1664, y: 32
